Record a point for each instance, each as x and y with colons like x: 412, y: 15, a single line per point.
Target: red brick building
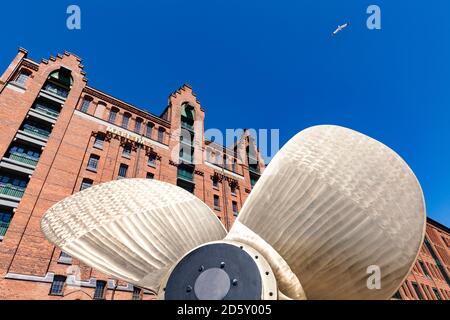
x: 429, y: 278
x: 58, y: 136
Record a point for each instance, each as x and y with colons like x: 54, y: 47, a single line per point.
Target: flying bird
x: 340, y: 28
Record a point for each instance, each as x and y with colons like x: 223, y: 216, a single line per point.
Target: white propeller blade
x: 332, y: 203
x: 133, y: 229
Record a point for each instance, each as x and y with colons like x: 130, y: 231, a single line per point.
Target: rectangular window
x: 148, y: 132
x: 57, y: 287
x: 86, y: 184
x: 5, y: 220
x: 233, y: 189
x: 64, y: 258
x: 93, y: 162
x: 137, y: 294
x: 235, y: 208
x: 126, y: 151
x: 152, y: 160
x: 22, y: 78
x: 215, y: 182
x: 417, y: 290
x: 161, y: 135
x: 424, y: 270
x: 150, y: 175
x: 85, y: 105
x: 216, y: 202
x: 123, y: 171
x: 100, y: 287
x: 112, y: 116
x: 125, y: 120
x: 436, y: 293
x: 99, y: 140
x: 137, y: 126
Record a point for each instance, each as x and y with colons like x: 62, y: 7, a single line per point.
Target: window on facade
x: 99, y: 140
x: 235, y: 208
x: 25, y: 154
x: 123, y: 171
x: 57, y: 287
x: 150, y: 175
x: 113, y: 115
x: 138, y: 125
x: 93, y: 162
x: 126, y: 151
x: 161, y: 135
x: 152, y: 160
x: 215, y: 182
x: 216, y: 202
x: 149, y: 130
x: 424, y: 270
x: 100, y: 287
x: 85, y: 105
x: 126, y: 120
x: 190, y: 187
x: 5, y: 221
x: 436, y: 293
x: 59, y: 82
x: 397, y: 295
x: 417, y: 290
x: 86, y: 184
x: 187, y: 116
x: 23, y: 77
x: 137, y: 293
x: 233, y: 189
x: 64, y: 258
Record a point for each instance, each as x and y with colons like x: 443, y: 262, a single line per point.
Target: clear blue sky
x: 268, y: 64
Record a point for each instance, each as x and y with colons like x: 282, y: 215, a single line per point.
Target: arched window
x: 148, y: 132
x: 187, y: 116
x: 113, y: 115
x: 126, y: 120
x: 161, y: 133
x: 59, y: 82
x: 138, y: 125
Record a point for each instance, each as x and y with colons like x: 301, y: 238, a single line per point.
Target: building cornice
x: 124, y: 105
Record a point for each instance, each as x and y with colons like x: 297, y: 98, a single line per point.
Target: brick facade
x: 58, y: 135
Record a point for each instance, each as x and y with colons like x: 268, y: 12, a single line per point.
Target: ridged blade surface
x: 333, y: 202
x: 132, y: 229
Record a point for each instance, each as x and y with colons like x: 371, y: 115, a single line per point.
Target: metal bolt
x: 235, y: 282
x: 222, y: 265
x: 188, y: 289
x: 201, y: 269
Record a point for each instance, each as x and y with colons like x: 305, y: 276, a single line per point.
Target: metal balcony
x: 35, y: 131
x: 24, y: 159
x: 3, y: 228
x: 46, y: 110
x: 11, y: 191
x: 186, y: 176
x: 56, y: 90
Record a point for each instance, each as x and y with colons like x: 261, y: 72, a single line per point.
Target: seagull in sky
x: 340, y: 28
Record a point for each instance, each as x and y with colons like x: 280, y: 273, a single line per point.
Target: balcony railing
x: 253, y: 169
x: 12, y: 191
x: 24, y: 158
x: 36, y: 131
x: 55, y: 89
x: 46, y: 110
x: 3, y: 228
x: 186, y: 176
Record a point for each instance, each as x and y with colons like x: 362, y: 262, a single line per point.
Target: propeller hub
x: 220, y: 271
